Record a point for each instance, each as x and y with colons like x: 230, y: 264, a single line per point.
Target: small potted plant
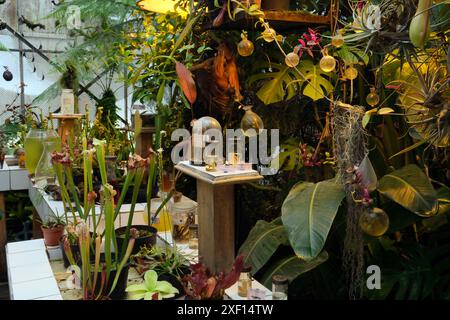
x: 151, y: 288
x: 53, y: 229
x: 201, y: 284
x: 167, y: 261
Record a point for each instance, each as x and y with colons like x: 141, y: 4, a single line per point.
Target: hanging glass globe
x: 292, y: 60
x: 372, y: 98
x: 374, y: 222
x: 338, y: 39
x: 327, y: 63
x: 251, y: 123
x: 245, y: 47
x: 351, y: 73
x: 269, y: 35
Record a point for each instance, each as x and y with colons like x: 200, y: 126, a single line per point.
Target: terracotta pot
x: 52, y: 236
x: 275, y: 5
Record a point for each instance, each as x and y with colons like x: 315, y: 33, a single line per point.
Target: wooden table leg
x: 3, y: 238
x: 216, y: 225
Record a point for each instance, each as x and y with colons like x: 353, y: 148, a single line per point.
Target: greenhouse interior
x: 224, y: 150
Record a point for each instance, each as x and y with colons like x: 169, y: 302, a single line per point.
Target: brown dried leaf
x: 187, y: 82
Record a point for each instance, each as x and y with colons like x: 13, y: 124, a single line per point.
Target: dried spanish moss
x: 350, y: 147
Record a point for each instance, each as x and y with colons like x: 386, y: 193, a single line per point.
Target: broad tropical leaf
x: 308, y: 213
x: 412, y: 272
x: 443, y: 196
x: 411, y: 188
x: 292, y: 267
x: 276, y: 88
x: 289, y: 158
x: 352, y: 56
x: 317, y: 86
x: 262, y: 242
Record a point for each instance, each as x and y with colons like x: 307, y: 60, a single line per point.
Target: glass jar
x: 33, y: 148
x: 45, y: 173
x: 193, y: 236
x: 280, y: 286
x: 183, y: 215
x: 245, y: 282
x: 251, y: 124
x: 67, y: 101
x: 163, y: 221
x: 53, y: 136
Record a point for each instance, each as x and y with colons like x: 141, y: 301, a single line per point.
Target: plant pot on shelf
x: 52, y: 236
x: 119, y: 291
x: 278, y: 5
x: 147, y: 237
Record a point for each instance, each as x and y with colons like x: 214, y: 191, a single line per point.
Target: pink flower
x: 308, y: 42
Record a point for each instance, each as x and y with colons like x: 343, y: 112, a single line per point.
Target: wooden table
x: 216, y: 214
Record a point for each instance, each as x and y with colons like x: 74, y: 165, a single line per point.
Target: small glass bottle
x: 280, y: 286
x: 193, y: 236
x: 245, y: 282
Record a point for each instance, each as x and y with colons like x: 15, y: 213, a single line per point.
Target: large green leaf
x: 288, y: 159
x: 262, y: 242
x: 410, y: 188
x: 443, y: 196
x: 308, y: 213
x: 277, y: 87
x: 352, y: 55
x: 292, y: 267
x: 317, y: 86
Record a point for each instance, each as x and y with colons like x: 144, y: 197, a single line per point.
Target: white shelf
x: 29, y: 272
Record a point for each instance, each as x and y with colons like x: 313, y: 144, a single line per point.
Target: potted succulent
x: 151, y: 288
x: 201, y: 284
x: 53, y: 229
x: 167, y: 261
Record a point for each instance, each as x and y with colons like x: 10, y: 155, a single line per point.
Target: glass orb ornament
x: 372, y: 98
x: 338, y: 39
x: 374, y: 222
x: 292, y: 59
x: 351, y: 73
x: 327, y: 63
x: 269, y: 35
x: 205, y: 131
x: 251, y: 123
x: 245, y: 47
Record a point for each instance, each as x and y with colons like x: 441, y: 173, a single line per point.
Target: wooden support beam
x: 216, y: 225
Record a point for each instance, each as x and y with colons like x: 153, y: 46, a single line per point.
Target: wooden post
x: 3, y: 238
x: 216, y: 222
x: 66, y: 124
x: 216, y: 215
